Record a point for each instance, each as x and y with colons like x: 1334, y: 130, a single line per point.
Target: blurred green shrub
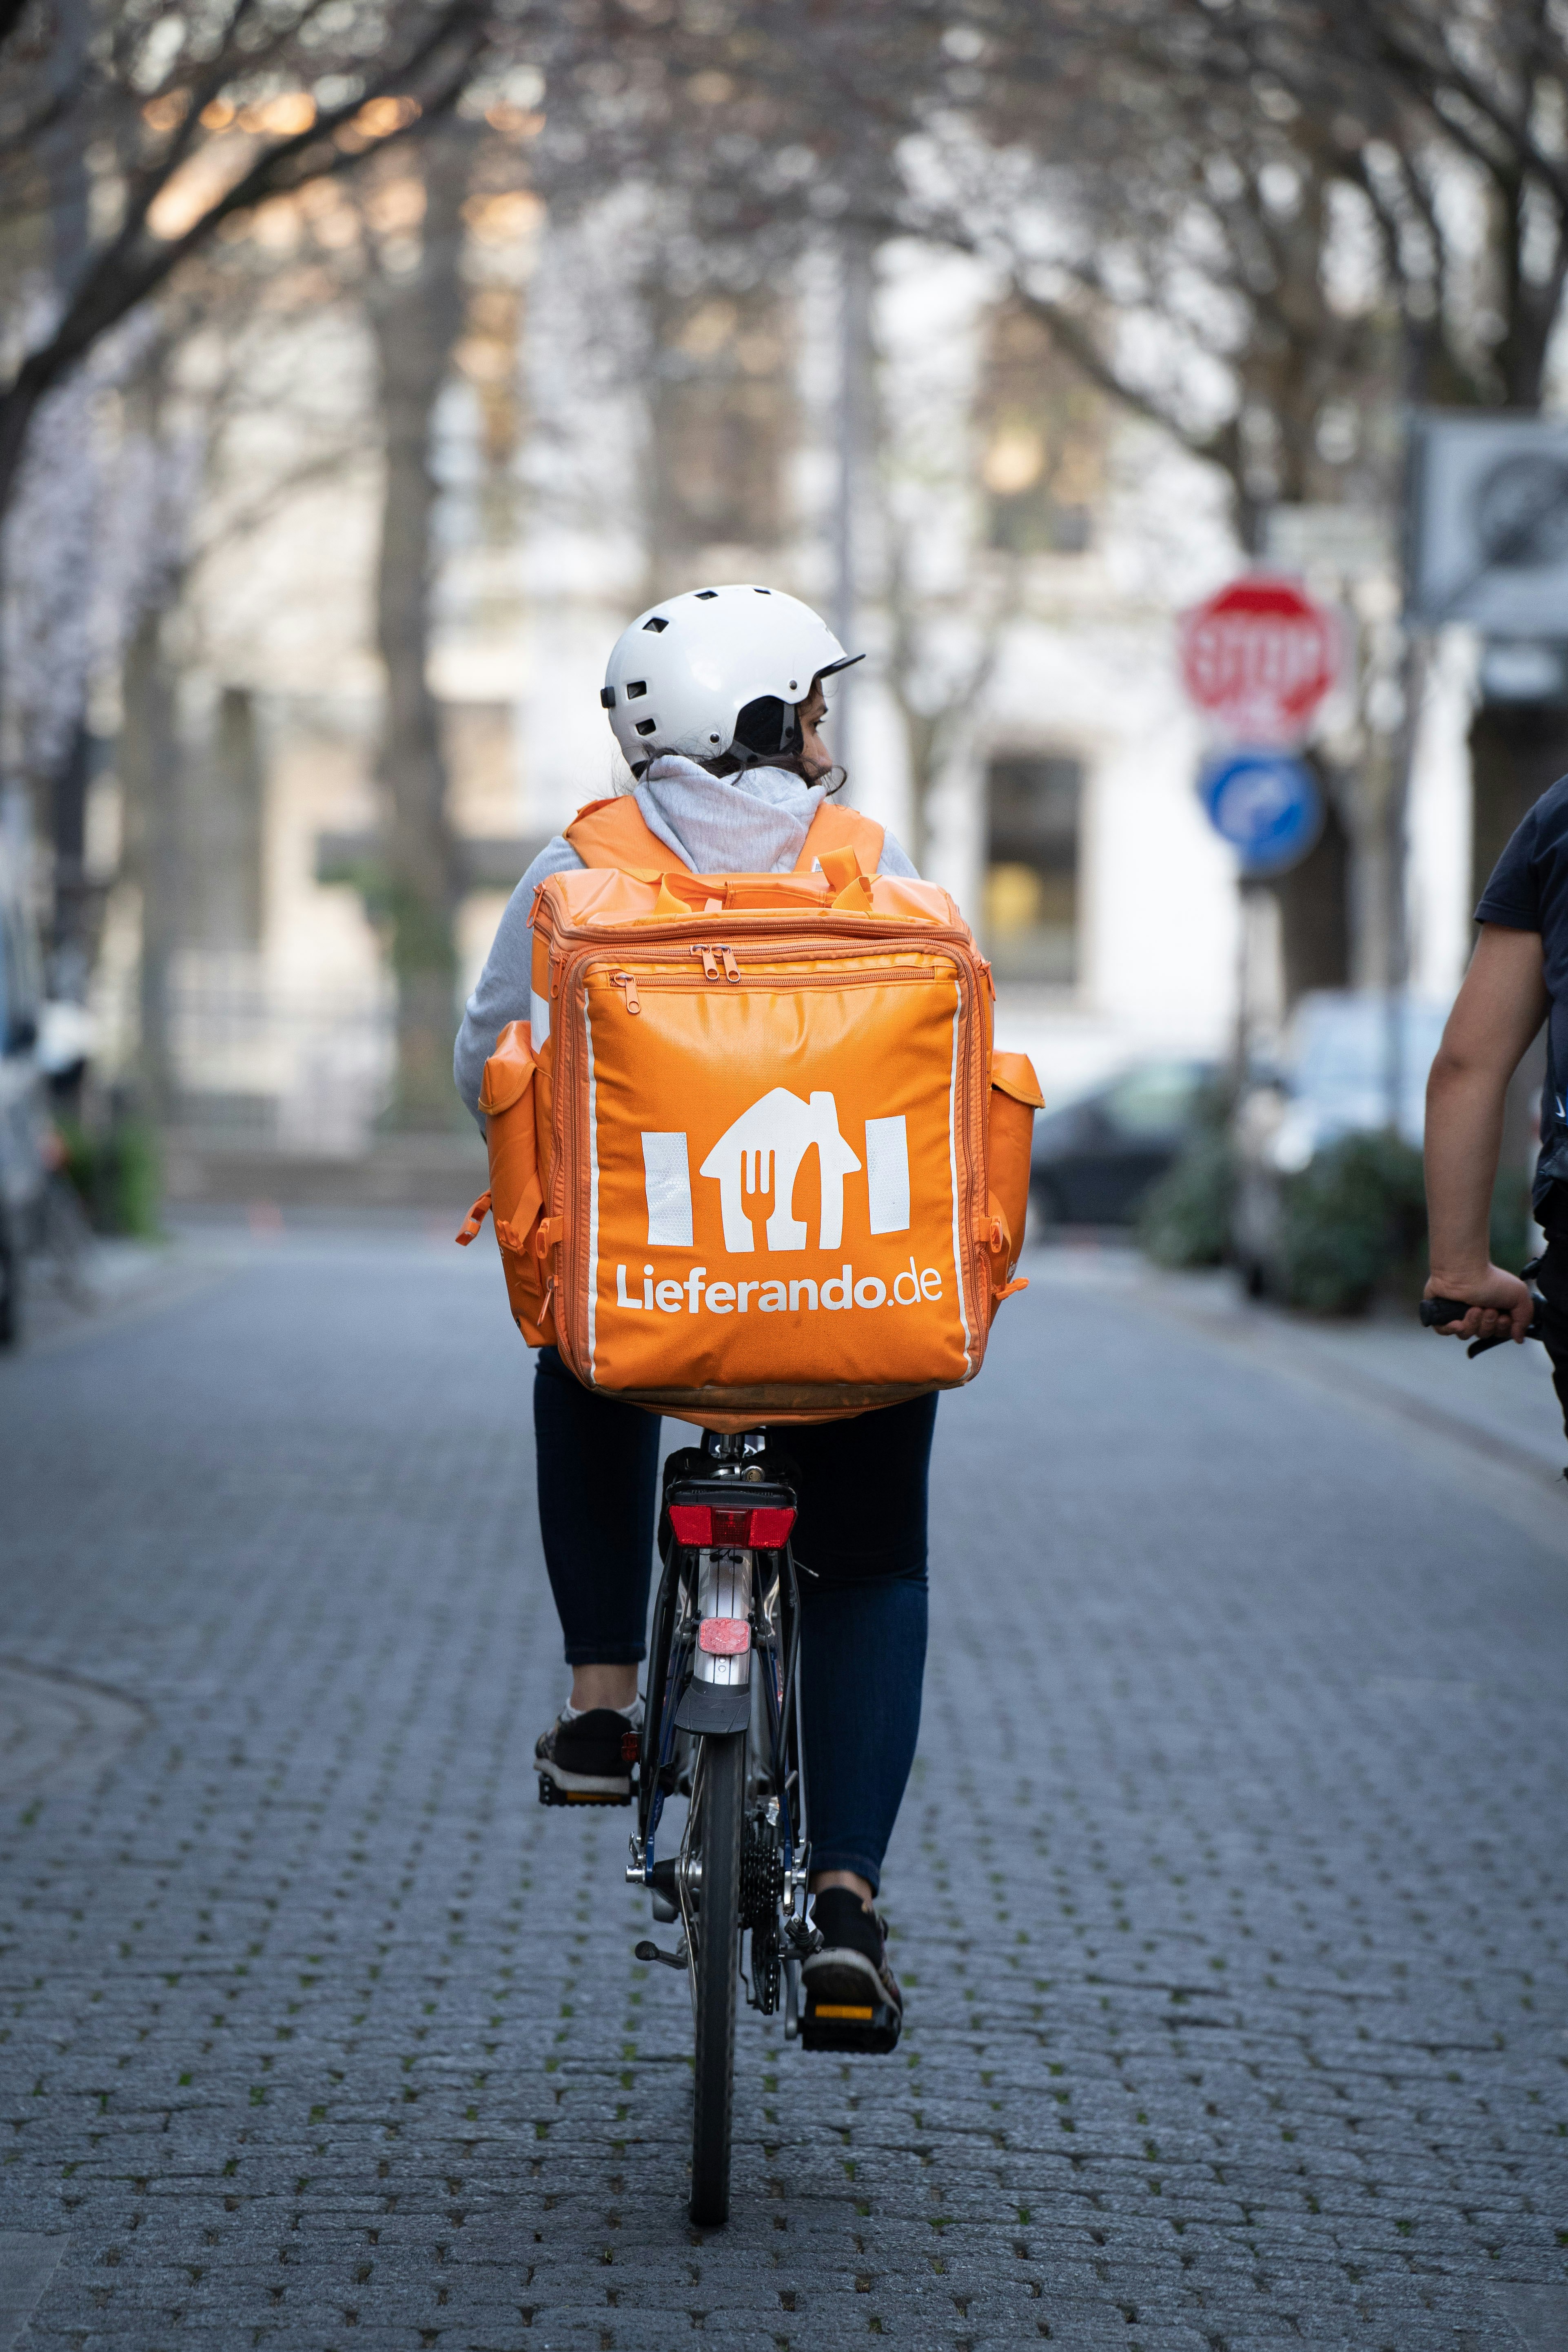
x: 117, y: 1175
x: 1352, y: 1227
x: 1186, y: 1217
x: 1354, y: 1222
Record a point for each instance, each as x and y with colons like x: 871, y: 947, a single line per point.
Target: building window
x: 1042, y: 436
x: 1033, y: 802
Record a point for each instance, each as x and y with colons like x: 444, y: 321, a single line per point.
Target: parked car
x: 1330, y: 1080
x: 1094, y: 1158
x: 23, y: 1129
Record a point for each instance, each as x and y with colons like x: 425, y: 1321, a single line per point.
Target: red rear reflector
x: 724, y: 1637
x: 770, y: 1527
x: 765, y: 1528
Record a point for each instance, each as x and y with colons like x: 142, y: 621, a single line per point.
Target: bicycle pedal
x: 551, y: 1793
x: 872, y: 2028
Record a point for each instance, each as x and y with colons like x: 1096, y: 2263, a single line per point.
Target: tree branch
x: 113, y: 285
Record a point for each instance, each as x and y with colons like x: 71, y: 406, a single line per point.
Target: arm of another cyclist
x: 1497, y: 1013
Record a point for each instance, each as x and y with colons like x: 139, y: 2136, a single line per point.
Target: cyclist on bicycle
x: 732, y: 781
x: 1518, y: 978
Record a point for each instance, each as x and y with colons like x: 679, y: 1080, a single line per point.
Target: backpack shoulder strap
x: 613, y: 833
x: 841, y: 828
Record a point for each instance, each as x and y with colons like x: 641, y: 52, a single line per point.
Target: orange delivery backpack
x: 752, y: 1155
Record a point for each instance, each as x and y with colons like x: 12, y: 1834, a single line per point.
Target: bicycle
x: 723, y: 1728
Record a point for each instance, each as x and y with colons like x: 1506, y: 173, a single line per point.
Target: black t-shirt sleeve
x: 1513, y: 897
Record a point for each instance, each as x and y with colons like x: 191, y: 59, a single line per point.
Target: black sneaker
x: 850, y: 1997
x: 588, y: 1759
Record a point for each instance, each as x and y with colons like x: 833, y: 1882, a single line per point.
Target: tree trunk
x: 1314, y: 929
x: 65, y: 164
x: 226, y: 832
x: 416, y: 319
x: 920, y: 748
x: 150, y: 777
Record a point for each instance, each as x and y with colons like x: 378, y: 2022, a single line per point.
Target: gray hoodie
x: 756, y: 822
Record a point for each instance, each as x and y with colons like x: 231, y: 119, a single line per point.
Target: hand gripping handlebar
x: 1434, y: 1312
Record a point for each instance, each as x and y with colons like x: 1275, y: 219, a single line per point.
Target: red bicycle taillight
x: 763, y: 1528
x: 724, y: 1637
x: 770, y: 1525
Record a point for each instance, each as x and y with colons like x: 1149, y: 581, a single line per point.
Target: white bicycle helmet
x: 718, y: 672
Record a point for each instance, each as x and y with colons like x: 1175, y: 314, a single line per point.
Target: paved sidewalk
x: 1228, y: 1895
x: 1503, y: 1401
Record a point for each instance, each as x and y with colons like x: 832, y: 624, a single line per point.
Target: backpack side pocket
x: 1015, y: 1098
x: 517, y: 1197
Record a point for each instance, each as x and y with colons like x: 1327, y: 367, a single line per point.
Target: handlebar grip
x: 1436, y: 1311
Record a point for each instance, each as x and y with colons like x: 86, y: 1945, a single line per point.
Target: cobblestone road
x: 1229, y: 1896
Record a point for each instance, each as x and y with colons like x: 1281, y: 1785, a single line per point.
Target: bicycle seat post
x: 732, y: 1445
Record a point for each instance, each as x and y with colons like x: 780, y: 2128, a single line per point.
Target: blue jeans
x: 860, y: 1548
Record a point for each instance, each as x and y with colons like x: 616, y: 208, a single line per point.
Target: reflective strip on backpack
x: 952, y: 1164
x: 888, y: 1173
x: 593, y: 1188
x: 667, y: 1175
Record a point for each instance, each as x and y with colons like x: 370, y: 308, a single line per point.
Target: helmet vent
x: 656, y: 625
x: 761, y: 591
x: 636, y: 689
x: 647, y: 726
x: 706, y: 595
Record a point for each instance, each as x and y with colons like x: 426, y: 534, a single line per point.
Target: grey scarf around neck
x: 756, y: 822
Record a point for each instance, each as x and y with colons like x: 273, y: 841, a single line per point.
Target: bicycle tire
x: 714, y: 1961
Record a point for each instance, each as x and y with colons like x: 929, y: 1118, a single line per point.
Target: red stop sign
x: 1260, y: 657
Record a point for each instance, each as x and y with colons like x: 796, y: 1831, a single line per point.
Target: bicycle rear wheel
x: 714, y: 1961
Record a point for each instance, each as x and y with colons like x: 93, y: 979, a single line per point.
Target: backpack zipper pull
x: 731, y: 969
x: 710, y: 961
x: 624, y: 981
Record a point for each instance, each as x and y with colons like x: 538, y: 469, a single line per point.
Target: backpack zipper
x: 710, y: 956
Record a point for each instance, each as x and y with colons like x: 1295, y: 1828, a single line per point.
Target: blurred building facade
x: 1021, y: 550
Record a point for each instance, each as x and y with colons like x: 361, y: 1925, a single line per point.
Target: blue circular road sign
x: 1266, y: 804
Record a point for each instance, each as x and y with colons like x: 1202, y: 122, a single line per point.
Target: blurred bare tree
x: 202, y: 123
x: 1272, y: 226
x: 200, y: 113
x: 415, y: 298
x: 1263, y: 225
